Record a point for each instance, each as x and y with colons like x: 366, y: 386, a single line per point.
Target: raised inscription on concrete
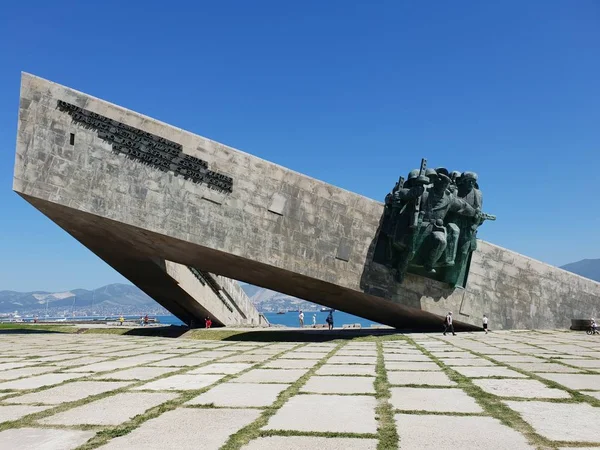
x: 148, y: 148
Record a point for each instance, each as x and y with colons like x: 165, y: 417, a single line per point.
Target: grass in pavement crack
x: 490, y: 403
x: 386, y: 430
x: 108, y: 433
x: 253, y: 431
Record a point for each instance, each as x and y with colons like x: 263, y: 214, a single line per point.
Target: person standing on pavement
x: 448, y: 324
x: 329, y: 320
x: 485, y: 323
x: 301, y: 319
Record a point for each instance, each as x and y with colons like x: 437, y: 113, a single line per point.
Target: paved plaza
x: 505, y: 390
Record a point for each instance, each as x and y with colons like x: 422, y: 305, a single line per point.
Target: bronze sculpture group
x: 430, y: 224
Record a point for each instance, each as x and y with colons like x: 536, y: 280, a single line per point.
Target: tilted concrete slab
x: 271, y: 226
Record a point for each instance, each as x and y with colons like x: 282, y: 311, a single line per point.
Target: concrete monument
x: 154, y: 201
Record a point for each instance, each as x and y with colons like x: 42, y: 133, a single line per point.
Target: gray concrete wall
x: 230, y: 306
x: 277, y: 228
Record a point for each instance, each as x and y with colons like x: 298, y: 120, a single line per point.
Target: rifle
x: 417, y: 205
x: 399, y: 185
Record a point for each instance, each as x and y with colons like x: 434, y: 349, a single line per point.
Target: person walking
x: 329, y: 320
x: 146, y: 320
x: 314, y: 321
x: 121, y: 319
x: 448, y: 324
x: 301, y: 319
x: 485, y: 323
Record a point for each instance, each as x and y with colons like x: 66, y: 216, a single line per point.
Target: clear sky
x: 352, y: 93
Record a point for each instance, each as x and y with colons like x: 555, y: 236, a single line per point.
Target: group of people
x: 449, y: 326
x: 143, y: 320
x: 329, y: 319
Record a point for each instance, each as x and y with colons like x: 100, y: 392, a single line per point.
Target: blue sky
x: 352, y: 93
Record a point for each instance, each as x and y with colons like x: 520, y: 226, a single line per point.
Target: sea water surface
x: 290, y: 319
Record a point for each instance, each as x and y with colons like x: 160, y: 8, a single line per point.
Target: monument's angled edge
x: 140, y: 193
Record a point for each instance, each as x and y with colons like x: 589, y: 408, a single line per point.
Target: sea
x: 288, y: 319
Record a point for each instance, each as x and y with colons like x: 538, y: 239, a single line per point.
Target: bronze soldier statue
x: 434, y: 236
x: 431, y: 224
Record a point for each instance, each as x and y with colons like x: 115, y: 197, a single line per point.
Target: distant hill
x: 110, y: 299
x: 266, y: 300
x: 589, y: 268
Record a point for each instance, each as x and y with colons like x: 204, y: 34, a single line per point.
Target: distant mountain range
x: 266, y: 300
x: 589, y: 268
x: 127, y: 299
x: 110, y: 299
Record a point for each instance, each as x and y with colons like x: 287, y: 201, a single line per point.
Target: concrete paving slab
x: 183, y: 361
x: 15, y: 412
x: 129, y: 352
x: 339, y: 385
x: 224, y: 368
x: 212, y: 354
x: 69, y: 392
x: 270, y: 376
x: 180, y: 383
x: 577, y: 422
x: 519, y: 388
x: 245, y: 358
x: 578, y: 381
x: 303, y: 355
x: 431, y: 432
x: 411, y: 365
x: 55, y: 358
x: 346, y: 369
x: 180, y: 429
x: 486, y: 372
x: 43, y: 438
x: 178, y: 351
x: 517, y: 358
x: 105, y: 366
x: 352, y: 360
x: 406, y: 357
x: 402, y: 350
x: 583, y: 363
x: 265, y: 351
x: 13, y: 374
x: 452, y: 354
x: 83, y: 360
x: 595, y: 394
x: 424, y: 378
x: 436, y: 400
x: 359, y: 353
x: 137, y: 373
x: 545, y: 367
x: 310, y: 442
x: 455, y: 362
x: 291, y: 364
x: 16, y: 365
x: 39, y: 381
x: 326, y: 413
x: 241, y: 395
x: 112, y: 410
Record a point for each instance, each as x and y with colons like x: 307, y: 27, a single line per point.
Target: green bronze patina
x: 430, y: 224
